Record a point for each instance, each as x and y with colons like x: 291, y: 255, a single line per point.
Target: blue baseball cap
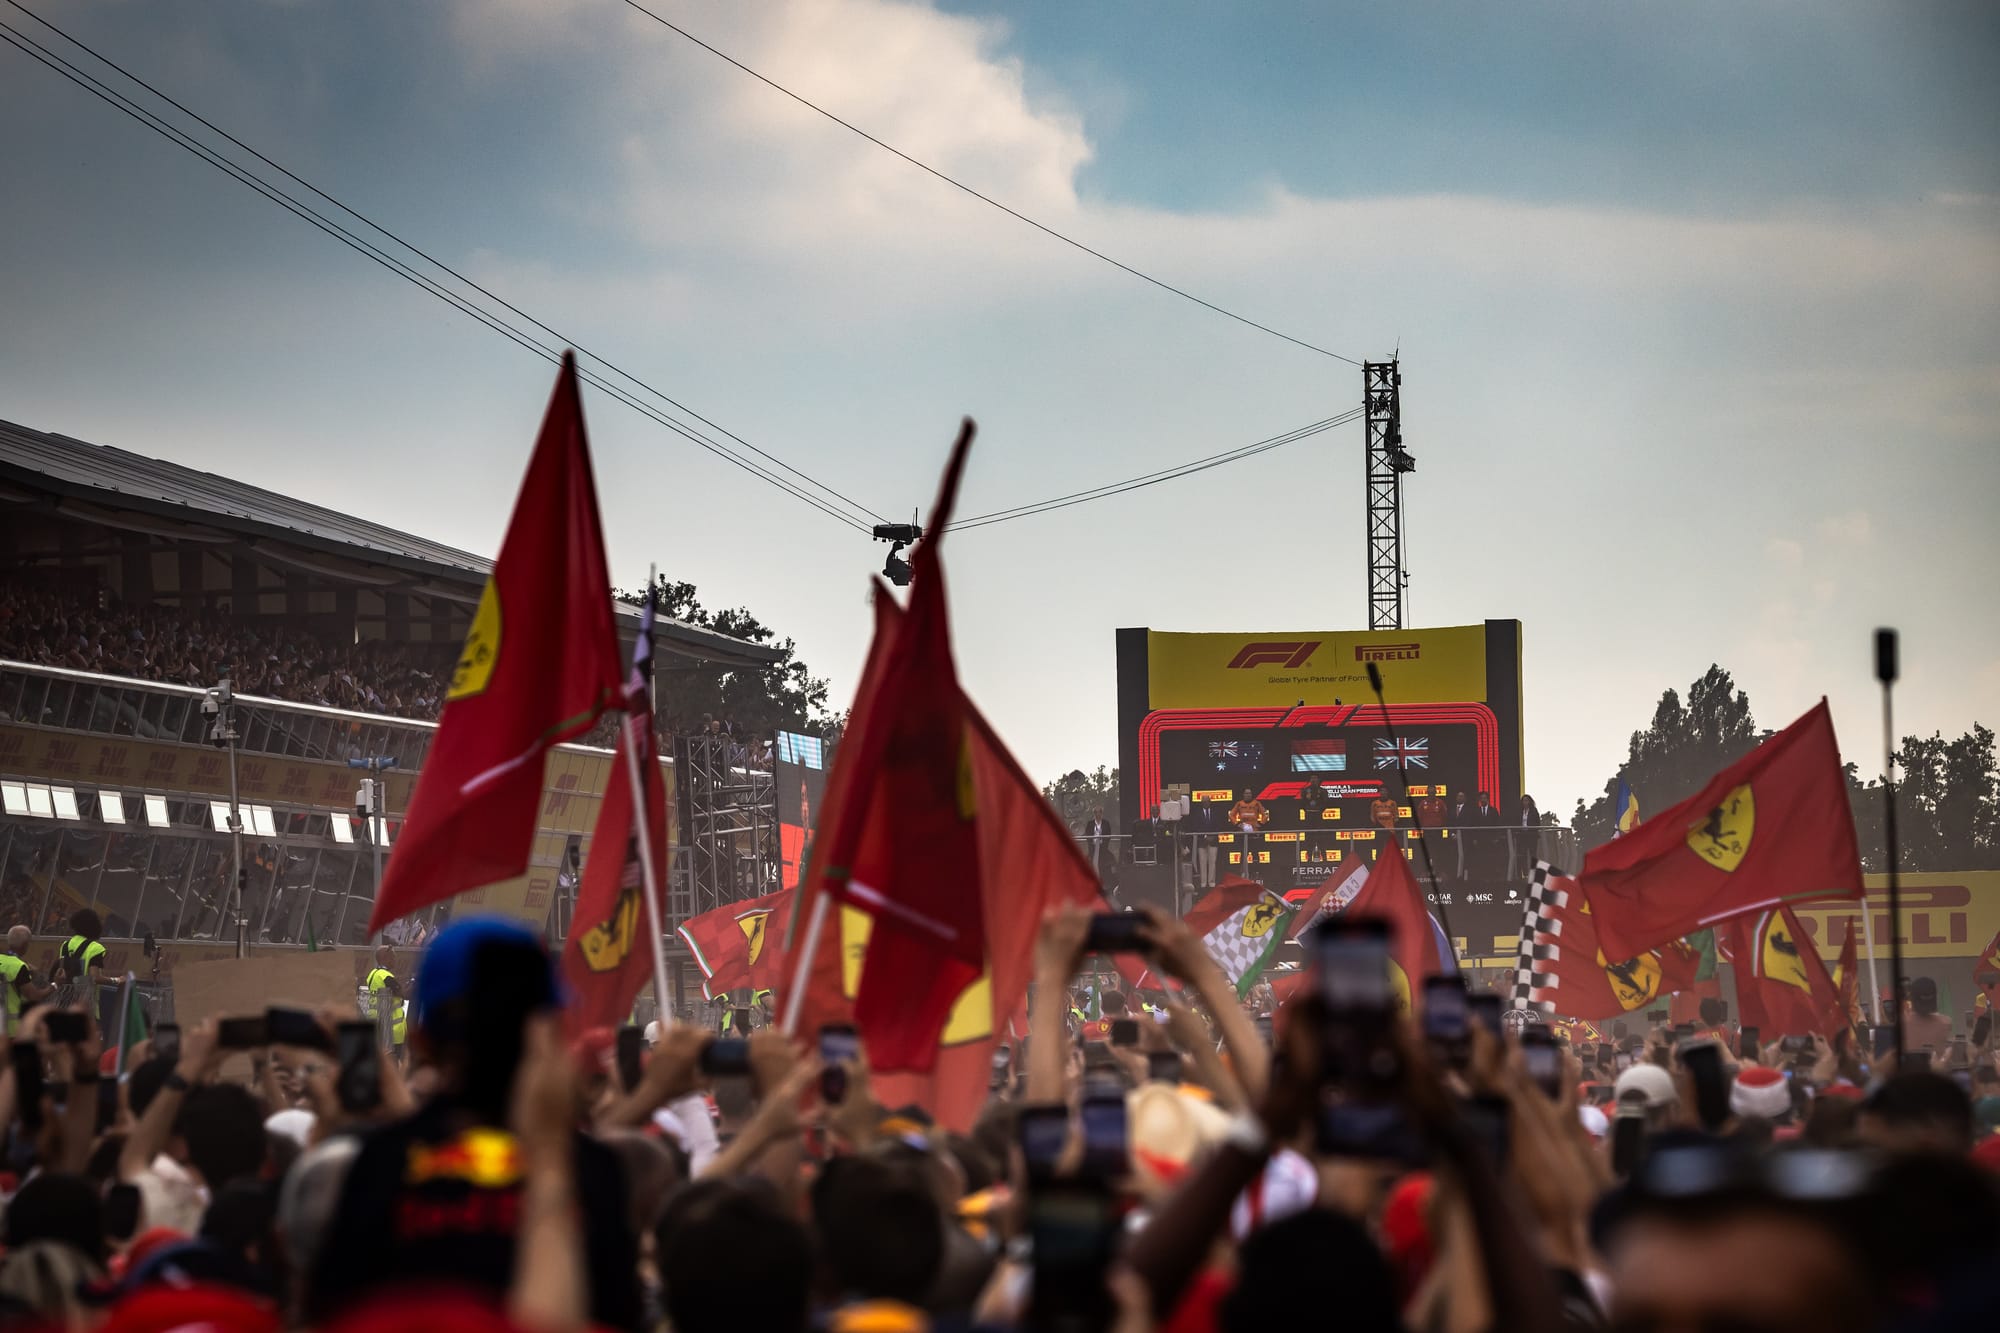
x: 449, y: 970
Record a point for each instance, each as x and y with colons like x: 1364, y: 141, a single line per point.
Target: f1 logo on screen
x: 1290, y: 655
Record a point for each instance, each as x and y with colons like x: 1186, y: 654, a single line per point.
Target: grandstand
x: 129, y: 587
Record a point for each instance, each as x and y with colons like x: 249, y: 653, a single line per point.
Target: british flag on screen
x: 1403, y: 752
x: 1225, y: 749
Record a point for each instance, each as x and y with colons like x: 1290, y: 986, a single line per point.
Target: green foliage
x: 1679, y: 751
x: 1077, y: 795
x: 1947, y: 797
x: 784, y: 695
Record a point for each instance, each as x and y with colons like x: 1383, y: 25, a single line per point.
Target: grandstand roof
x: 97, y: 483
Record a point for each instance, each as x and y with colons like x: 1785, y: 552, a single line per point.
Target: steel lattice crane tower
x: 1382, y: 397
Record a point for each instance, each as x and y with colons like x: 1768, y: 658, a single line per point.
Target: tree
x: 1947, y: 805
x: 785, y: 695
x: 1680, y: 750
x: 1947, y: 793
x: 1076, y: 794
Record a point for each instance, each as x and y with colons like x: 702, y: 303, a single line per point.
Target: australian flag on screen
x: 1403, y: 752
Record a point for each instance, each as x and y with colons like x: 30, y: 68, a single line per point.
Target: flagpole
x: 802, y: 969
x: 642, y: 811
x: 1885, y: 671
x: 1403, y: 782
x: 1874, y: 977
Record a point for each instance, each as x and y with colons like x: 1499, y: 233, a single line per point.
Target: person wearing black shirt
x: 433, y: 1199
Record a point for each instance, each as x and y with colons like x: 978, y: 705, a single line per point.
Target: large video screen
x: 800, y: 776
x: 1292, y: 721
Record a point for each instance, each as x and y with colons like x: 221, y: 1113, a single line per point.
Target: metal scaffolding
x: 730, y: 814
x: 1387, y: 462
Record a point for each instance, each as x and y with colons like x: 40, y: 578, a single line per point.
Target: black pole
x: 1403, y: 782
x: 1885, y: 671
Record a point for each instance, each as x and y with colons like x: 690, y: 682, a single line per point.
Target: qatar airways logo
x: 1387, y: 652
x: 1286, y: 654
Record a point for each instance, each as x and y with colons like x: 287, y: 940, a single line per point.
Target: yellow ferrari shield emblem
x: 752, y: 926
x: 606, y: 945
x: 1779, y: 954
x: 1259, y: 919
x: 1723, y: 837
x: 482, y: 648
x: 1634, y: 982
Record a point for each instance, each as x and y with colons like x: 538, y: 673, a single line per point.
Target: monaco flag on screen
x: 1772, y: 827
x: 539, y: 666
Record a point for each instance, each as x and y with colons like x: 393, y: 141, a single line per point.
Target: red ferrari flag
x: 1022, y: 843
x: 1565, y: 970
x: 608, y: 957
x: 1772, y: 827
x: 739, y: 945
x: 1782, y: 986
x: 1418, y: 947
x: 539, y: 666
x: 1847, y: 973
x: 906, y: 849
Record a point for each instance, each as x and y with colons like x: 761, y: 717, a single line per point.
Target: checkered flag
x: 1541, y: 936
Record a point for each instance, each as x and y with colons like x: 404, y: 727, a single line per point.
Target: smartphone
x: 740, y: 1020
x: 1885, y: 1039
x: 1487, y: 1118
x: 28, y: 1086
x: 1043, y: 1132
x: 295, y: 1027
x: 1163, y: 1067
x: 1915, y: 1061
x: 1124, y: 1032
x: 725, y: 1056
x: 1073, y: 1232
x: 1115, y: 932
x: 1543, y: 1058
x: 1485, y: 1010
x: 1353, y: 962
x: 243, y: 1034
x: 1628, y: 1139
x: 1957, y: 1055
x: 68, y: 1026
x: 1621, y: 1061
x: 839, y: 1044
x: 167, y: 1042
x: 631, y: 1055
x: 120, y: 1212
x: 1748, y: 1045
x: 1106, y: 1152
x: 1448, y: 1019
x: 1266, y: 1028
x: 1795, y: 1045
x: 358, y: 1080
x: 1703, y: 1061
x: 1374, y: 1130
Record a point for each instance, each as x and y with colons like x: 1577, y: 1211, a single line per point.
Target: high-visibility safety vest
x: 11, y: 968
x: 378, y: 982
x: 76, y: 956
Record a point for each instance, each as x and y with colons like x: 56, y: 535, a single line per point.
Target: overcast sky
x: 1698, y: 307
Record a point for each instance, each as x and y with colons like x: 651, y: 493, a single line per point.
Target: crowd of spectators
x: 1165, y: 1161
x: 201, y: 647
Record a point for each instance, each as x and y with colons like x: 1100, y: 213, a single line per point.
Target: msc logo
x: 1387, y: 652
x: 1272, y: 654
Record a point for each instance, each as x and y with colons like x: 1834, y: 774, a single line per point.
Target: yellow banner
x: 1946, y: 914
x: 1277, y: 670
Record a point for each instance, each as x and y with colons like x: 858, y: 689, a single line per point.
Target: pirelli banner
x: 1289, y: 718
